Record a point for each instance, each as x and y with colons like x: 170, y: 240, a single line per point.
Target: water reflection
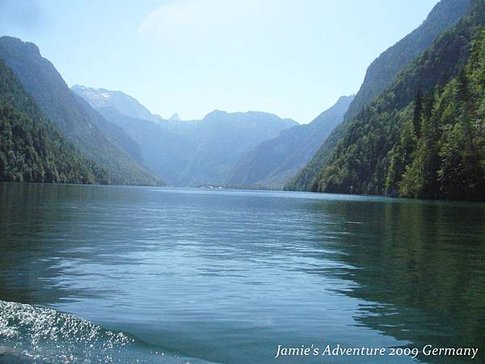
x: 424, y: 262
x: 47, y: 231
x: 227, y: 276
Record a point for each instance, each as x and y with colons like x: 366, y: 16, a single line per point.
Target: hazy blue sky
x: 293, y: 58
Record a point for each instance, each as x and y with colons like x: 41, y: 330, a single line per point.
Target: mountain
x: 31, y: 147
x: 96, y: 138
x: 380, y: 75
x: 382, y: 71
x: 192, y: 153
x: 422, y: 137
x: 273, y: 162
x: 223, y: 138
x: 123, y: 103
x: 175, y: 117
x: 166, y: 147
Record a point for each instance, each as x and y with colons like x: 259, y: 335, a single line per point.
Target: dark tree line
x: 444, y: 150
x: 424, y: 136
x: 31, y: 148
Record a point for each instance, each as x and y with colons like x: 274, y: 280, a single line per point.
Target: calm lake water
x: 103, y: 273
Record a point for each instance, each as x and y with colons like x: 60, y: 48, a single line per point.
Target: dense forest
x: 380, y: 75
x: 31, y: 147
x: 440, y: 152
x: 96, y: 138
x: 424, y: 137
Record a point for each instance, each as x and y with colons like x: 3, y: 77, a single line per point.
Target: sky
x: 293, y: 58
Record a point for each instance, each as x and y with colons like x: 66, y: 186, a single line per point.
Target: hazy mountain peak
x: 334, y: 112
x: 345, y: 98
x: 248, y: 117
x: 124, y: 104
x: 214, y: 114
x: 275, y: 160
x: 175, y: 117
x: 27, y: 47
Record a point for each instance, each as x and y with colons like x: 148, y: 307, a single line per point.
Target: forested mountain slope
x: 31, y: 147
x: 95, y: 137
x: 379, y: 76
x: 124, y: 104
x: 423, y: 137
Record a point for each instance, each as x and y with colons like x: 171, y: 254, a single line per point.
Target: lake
x: 119, y: 274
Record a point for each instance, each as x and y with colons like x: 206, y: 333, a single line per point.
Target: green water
x: 103, y: 273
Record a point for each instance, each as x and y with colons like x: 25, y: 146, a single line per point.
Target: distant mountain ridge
x: 192, y: 153
x: 175, y: 117
x: 95, y: 137
x: 125, y: 104
x: 379, y: 76
x: 273, y: 162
